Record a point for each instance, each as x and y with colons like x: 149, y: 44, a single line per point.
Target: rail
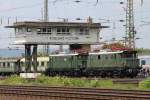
x: 60, y: 93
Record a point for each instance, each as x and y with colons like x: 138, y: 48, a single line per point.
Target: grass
x: 145, y: 84
x: 73, y: 82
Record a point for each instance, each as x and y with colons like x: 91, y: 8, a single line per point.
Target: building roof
x: 56, y: 24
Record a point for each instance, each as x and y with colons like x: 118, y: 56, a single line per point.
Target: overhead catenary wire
x: 38, y: 4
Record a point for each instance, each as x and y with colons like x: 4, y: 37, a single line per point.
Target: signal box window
x: 44, y: 31
x: 84, y: 31
x: 63, y: 31
x: 49, y: 30
x: 29, y: 30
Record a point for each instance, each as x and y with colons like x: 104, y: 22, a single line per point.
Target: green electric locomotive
x: 104, y: 64
x: 119, y: 63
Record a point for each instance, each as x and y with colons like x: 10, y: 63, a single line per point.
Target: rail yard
x: 89, y: 67
x: 64, y: 93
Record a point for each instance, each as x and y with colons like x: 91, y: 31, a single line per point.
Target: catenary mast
x: 130, y: 28
x: 46, y: 19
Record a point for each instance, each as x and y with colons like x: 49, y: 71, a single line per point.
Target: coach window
x: 4, y: 64
x: 42, y: 63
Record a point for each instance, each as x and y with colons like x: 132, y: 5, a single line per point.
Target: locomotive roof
x: 54, y: 55
x: 105, y: 52
x: 92, y: 53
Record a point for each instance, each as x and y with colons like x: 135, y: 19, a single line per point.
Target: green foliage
x: 143, y: 51
x: 101, y: 83
x: 13, y: 80
x: 145, y: 84
x: 72, y: 82
x: 125, y: 86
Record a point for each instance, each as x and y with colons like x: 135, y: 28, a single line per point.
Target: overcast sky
x: 105, y: 10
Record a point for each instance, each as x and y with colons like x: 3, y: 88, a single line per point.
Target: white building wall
x: 22, y: 37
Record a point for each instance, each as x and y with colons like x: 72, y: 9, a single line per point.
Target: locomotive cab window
x: 99, y: 57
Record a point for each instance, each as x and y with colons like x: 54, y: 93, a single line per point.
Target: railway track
x: 66, y: 93
x: 134, y: 81
x: 127, y: 81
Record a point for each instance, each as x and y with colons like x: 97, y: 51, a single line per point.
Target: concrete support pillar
x: 28, y: 58
x: 34, y: 55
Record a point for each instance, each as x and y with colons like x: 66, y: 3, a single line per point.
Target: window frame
x: 84, y: 31
x: 63, y: 31
x: 44, y: 30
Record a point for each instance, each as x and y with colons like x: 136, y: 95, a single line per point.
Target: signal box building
x: 56, y: 33
x: 75, y: 34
